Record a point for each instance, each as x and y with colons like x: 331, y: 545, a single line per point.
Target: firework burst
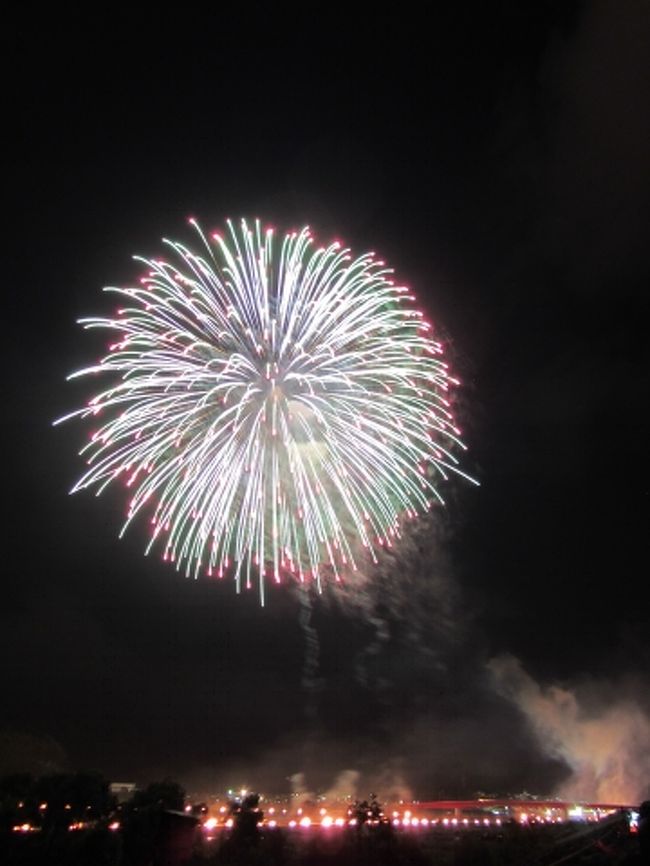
x: 273, y: 412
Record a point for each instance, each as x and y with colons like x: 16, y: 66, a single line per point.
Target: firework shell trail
x: 272, y: 406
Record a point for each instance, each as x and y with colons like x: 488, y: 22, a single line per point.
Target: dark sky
x: 497, y: 156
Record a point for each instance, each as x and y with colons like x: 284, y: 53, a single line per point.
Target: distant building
x: 122, y: 791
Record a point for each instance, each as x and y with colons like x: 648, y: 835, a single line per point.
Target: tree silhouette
x: 367, y: 812
x: 247, y: 815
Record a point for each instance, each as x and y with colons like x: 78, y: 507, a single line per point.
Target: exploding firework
x: 273, y: 412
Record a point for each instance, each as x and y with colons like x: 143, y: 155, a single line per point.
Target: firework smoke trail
x: 390, y: 594
x: 410, y: 606
x: 372, y: 649
x: 270, y: 408
x: 309, y: 679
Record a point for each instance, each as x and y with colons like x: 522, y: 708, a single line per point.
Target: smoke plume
x: 605, y: 744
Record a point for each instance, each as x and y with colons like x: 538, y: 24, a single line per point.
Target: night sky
x: 496, y: 155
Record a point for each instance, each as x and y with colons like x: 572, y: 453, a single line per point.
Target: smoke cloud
x: 345, y: 785
x: 300, y: 790
x: 605, y: 743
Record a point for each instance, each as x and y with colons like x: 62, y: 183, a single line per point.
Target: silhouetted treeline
x: 58, y: 799
x: 70, y: 819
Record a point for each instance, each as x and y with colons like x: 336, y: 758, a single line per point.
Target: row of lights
x: 329, y: 821
x: 76, y: 825
x: 406, y: 821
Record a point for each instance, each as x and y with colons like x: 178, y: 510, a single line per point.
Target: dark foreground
x: 165, y: 841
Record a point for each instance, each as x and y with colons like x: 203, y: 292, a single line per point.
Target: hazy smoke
x: 606, y: 745
x: 345, y: 785
x: 300, y: 790
x: 387, y: 782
